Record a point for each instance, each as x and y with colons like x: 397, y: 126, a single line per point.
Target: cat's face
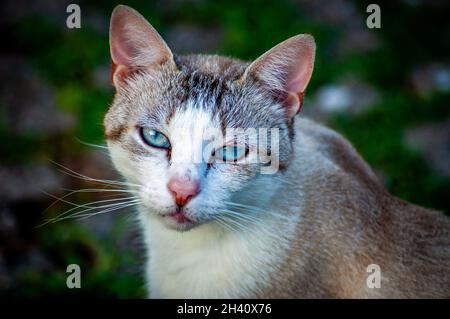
x: 169, y: 129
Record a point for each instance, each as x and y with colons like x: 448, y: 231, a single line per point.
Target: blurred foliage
x: 67, y: 59
x: 101, y: 269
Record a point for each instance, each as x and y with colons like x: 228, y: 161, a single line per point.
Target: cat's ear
x: 135, y: 45
x: 285, y: 71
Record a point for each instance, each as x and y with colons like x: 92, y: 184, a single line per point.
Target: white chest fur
x: 208, y: 262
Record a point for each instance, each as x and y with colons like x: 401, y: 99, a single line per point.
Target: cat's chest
x: 189, y: 267
x: 196, y: 275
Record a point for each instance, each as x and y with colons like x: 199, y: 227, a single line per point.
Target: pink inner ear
x: 122, y: 63
x: 300, y: 79
x: 118, y: 73
x: 301, y: 68
x: 122, y: 52
x: 296, y: 87
x: 293, y: 104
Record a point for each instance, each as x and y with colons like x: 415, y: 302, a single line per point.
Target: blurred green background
x: 387, y: 90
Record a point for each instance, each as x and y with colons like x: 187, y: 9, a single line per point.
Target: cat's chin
x: 178, y: 222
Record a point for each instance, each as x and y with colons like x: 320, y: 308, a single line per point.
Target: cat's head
x: 168, y: 129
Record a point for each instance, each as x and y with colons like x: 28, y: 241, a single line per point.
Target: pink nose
x: 183, y: 189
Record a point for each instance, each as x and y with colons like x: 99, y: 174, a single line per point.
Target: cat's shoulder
x: 330, y: 146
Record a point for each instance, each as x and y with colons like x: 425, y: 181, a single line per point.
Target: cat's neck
x: 184, y: 264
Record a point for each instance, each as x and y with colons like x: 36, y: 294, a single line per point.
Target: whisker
x: 84, y: 215
x: 72, y: 173
x: 106, y: 208
x: 99, y: 190
x: 254, y: 221
x: 253, y: 208
x: 257, y: 210
x: 92, y: 190
x: 91, y: 144
x: 61, y: 199
x: 244, y: 217
x: 89, y: 205
x: 235, y: 224
x: 221, y: 222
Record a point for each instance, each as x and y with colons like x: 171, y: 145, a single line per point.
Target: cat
x: 221, y: 228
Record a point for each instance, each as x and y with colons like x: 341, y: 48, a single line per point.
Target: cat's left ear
x: 285, y: 71
x: 135, y: 45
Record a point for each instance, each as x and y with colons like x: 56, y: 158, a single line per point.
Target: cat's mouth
x: 179, y: 216
x: 179, y: 220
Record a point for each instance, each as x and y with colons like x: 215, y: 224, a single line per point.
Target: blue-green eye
x: 231, y: 153
x: 155, y: 138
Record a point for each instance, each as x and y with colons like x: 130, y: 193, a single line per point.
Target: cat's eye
x: 154, y: 138
x: 231, y: 153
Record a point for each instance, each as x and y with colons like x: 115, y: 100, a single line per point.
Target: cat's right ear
x: 285, y: 71
x: 135, y: 45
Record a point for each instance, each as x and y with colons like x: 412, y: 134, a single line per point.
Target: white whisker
x: 72, y: 173
x: 92, y: 145
x: 105, y: 208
